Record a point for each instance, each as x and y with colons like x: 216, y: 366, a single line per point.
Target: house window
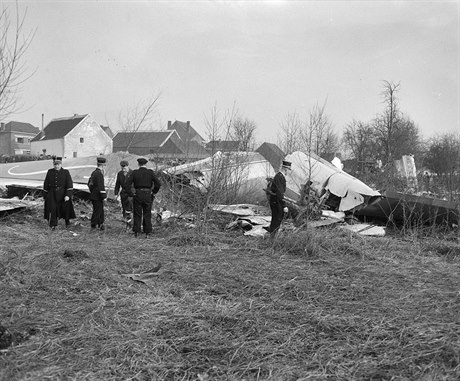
x: 75, y: 154
x: 82, y: 140
x: 19, y: 140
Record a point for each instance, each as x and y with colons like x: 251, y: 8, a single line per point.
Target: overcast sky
x: 270, y: 58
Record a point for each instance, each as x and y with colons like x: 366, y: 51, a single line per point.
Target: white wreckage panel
x: 325, y: 177
x: 248, y: 169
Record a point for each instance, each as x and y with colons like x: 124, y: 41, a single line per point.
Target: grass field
x: 308, y: 305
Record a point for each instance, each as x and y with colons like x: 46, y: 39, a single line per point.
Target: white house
x: 77, y: 136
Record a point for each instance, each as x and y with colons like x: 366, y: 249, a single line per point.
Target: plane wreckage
x: 312, y: 176
x: 245, y: 174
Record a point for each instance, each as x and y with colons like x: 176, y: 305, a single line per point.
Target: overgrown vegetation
x: 310, y: 304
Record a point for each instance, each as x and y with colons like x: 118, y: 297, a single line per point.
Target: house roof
x: 151, y: 139
x: 163, y: 143
x: 184, y: 130
x: 192, y: 148
x: 20, y: 127
x: 223, y: 145
x: 58, y: 128
x: 108, y: 131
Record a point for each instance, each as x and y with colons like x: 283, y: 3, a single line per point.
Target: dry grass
x: 311, y: 305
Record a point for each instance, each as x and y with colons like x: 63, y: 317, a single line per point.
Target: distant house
x: 185, y: 131
x: 223, y: 146
x: 158, y: 145
x: 15, y: 138
x: 77, y: 136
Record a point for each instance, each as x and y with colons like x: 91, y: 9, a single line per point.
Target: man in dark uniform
x: 58, y: 187
x: 146, y: 186
x: 276, y: 192
x: 120, y: 188
x: 97, y: 194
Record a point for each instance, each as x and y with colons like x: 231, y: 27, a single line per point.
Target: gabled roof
x: 163, y: 143
x: 223, y: 145
x: 20, y: 127
x: 184, y: 130
x: 151, y: 139
x: 107, y: 130
x: 58, y: 128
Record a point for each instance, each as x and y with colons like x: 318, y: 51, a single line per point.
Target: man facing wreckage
x: 120, y: 188
x: 58, y: 187
x: 146, y: 186
x: 275, y: 192
x: 97, y: 194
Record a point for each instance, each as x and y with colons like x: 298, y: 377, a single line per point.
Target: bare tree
x: 218, y: 126
x: 243, y: 130
x: 13, y: 46
x: 290, y: 137
x: 443, y: 158
x: 443, y: 154
x: 386, y: 123
x: 359, y: 138
x: 396, y: 134
x: 318, y: 135
x: 138, y: 118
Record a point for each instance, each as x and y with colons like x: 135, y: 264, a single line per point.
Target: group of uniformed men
x: 136, y: 189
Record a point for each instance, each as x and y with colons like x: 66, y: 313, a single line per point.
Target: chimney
x: 169, y: 124
x: 43, y: 121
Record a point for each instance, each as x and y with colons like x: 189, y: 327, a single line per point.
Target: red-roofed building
x: 15, y: 138
x: 77, y: 136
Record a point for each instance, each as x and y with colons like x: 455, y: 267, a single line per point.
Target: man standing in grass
x: 120, y: 188
x: 58, y: 187
x: 146, y: 186
x: 97, y: 194
x: 276, y: 191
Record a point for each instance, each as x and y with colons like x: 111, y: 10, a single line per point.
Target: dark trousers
x: 126, y: 203
x: 277, y: 215
x: 53, y: 209
x: 142, y: 205
x: 97, y: 218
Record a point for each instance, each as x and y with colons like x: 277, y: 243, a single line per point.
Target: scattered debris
x: 405, y: 168
x: 11, y: 205
x: 365, y: 229
x: 241, y: 209
x: 145, y: 276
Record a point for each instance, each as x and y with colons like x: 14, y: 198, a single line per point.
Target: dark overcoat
x: 96, y: 186
x: 57, y: 185
x: 122, y: 180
